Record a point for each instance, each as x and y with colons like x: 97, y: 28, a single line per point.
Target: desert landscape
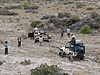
x: 12, y: 26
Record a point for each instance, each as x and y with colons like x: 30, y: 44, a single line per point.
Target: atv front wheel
x: 61, y: 54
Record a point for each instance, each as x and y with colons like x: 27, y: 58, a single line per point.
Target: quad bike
x: 76, y: 50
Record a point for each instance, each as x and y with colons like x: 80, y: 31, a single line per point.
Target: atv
x: 76, y: 50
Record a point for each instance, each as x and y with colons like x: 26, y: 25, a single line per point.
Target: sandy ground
x: 10, y: 29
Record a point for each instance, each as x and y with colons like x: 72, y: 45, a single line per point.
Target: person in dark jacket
x: 62, y: 32
x: 6, y: 47
x: 19, y: 41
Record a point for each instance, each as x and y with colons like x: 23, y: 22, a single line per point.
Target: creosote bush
x: 34, y: 23
x: 44, y: 69
x: 94, y: 14
x: 26, y: 62
x: 85, y: 29
x: 90, y: 8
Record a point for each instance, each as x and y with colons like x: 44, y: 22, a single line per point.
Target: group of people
x: 68, y: 33
x: 6, y: 44
x: 40, y: 38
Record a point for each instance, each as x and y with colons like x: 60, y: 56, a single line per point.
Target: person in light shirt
x: 68, y: 32
x: 6, y: 47
x: 40, y: 40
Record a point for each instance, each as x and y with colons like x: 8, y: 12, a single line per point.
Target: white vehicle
x: 73, y: 51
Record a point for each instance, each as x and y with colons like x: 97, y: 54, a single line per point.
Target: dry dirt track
x: 46, y: 54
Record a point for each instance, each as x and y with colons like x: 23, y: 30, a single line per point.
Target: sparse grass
x: 34, y: 23
x: 13, y: 7
x: 44, y: 69
x: 90, y: 8
x: 26, y: 62
x: 85, y: 29
x: 57, y: 47
x: 26, y: 6
x: 6, y: 12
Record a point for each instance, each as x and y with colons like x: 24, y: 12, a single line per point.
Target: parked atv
x: 76, y: 50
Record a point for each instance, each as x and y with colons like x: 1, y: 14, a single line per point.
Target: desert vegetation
x: 44, y: 69
x: 26, y: 62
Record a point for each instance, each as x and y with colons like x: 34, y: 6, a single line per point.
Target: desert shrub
x: 51, y: 20
x: 79, y: 5
x: 17, y: 19
x: 94, y: 14
x: 6, y: 12
x: 97, y: 19
x: 34, y: 23
x: 44, y: 69
x: 66, y: 14
x: 94, y: 26
x: 26, y: 6
x: 42, y: 25
x: 60, y: 15
x: 45, y: 17
x: 26, y: 62
x: 1, y: 62
x: 52, y: 16
x: 90, y: 8
x: 74, y: 18
x: 85, y: 29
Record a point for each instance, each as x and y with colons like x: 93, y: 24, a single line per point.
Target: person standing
x: 62, y: 32
x: 40, y: 40
x: 6, y: 47
x: 68, y: 32
x: 19, y: 41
